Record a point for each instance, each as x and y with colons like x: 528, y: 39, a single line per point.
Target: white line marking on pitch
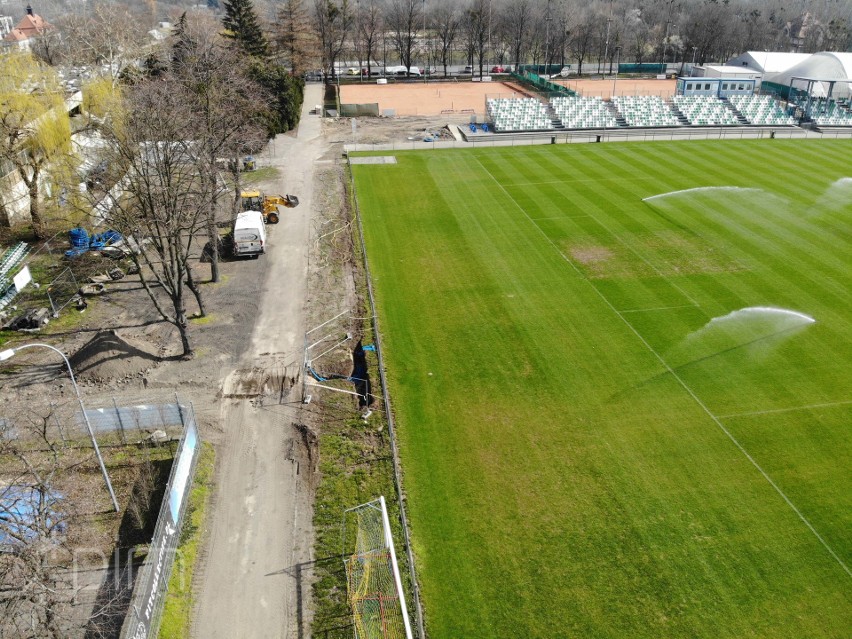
x: 561, y: 217
x: 678, y: 379
x: 658, y: 308
x: 585, y: 180
x: 786, y: 410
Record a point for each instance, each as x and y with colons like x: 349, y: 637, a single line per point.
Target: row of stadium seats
x: 643, y: 111
x: 831, y: 114
x: 577, y: 112
x: 839, y: 118
x: 705, y: 110
x: 518, y: 114
x: 761, y: 109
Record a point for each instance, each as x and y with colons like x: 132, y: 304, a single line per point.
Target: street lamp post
x: 615, y: 77
x: 546, y: 39
x: 7, y: 354
x: 665, y: 43
x: 425, y: 46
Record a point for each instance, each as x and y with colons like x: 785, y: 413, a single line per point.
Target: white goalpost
x: 374, y: 585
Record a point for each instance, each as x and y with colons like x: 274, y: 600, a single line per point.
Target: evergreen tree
x: 294, y: 36
x: 287, y: 94
x: 243, y: 27
x: 182, y: 43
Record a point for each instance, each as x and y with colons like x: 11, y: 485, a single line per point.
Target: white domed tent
x: 821, y: 75
x: 767, y: 62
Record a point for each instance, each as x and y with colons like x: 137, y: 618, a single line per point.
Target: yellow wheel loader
x: 267, y: 204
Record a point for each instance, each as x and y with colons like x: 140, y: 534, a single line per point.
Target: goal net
x: 374, y: 585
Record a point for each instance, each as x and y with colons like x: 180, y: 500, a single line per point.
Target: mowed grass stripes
x: 615, y: 418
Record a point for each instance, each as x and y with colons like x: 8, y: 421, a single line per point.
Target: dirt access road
x: 260, y: 523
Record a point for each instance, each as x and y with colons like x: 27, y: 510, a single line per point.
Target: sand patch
x: 659, y: 254
x: 587, y: 255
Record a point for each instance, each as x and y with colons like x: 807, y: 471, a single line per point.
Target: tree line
x: 438, y: 33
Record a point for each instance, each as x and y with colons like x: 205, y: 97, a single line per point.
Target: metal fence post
x: 120, y: 422
x: 180, y: 410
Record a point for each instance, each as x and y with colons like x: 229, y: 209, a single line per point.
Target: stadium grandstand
x: 794, y: 89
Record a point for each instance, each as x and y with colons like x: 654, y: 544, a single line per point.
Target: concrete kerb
x: 604, y: 135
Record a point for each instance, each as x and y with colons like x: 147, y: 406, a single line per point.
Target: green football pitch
x: 622, y: 375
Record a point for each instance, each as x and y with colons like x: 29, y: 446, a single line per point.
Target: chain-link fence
x: 62, y: 290
x: 149, y: 593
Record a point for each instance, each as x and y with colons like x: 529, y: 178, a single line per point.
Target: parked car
x: 468, y: 69
x: 498, y: 69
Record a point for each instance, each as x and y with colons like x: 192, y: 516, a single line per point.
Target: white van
x: 249, y: 234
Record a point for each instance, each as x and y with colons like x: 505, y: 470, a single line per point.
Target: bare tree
x: 294, y: 37
x: 164, y: 205
x: 516, y: 25
x: 445, y: 21
x: 705, y: 26
x: 639, y: 38
x: 404, y: 18
x: 467, y: 28
x: 227, y: 107
x: 369, y: 30
x: 109, y: 35
x: 562, y: 36
x: 333, y: 22
x: 478, y: 18
x: 582, y: 42
x: 50, y: 46
x: 35, y: 597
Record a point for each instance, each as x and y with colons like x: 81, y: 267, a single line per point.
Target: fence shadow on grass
x: 136, y: 529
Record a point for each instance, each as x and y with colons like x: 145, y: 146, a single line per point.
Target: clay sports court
x: 437, y: 98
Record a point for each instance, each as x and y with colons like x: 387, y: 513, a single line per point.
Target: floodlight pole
x: 7, y: 354
x: 665, y: 43
x: 546, y: 38
x: 425, y: 46
x: 615, y: 77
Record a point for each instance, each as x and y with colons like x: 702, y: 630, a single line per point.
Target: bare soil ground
x: 453, y: 99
